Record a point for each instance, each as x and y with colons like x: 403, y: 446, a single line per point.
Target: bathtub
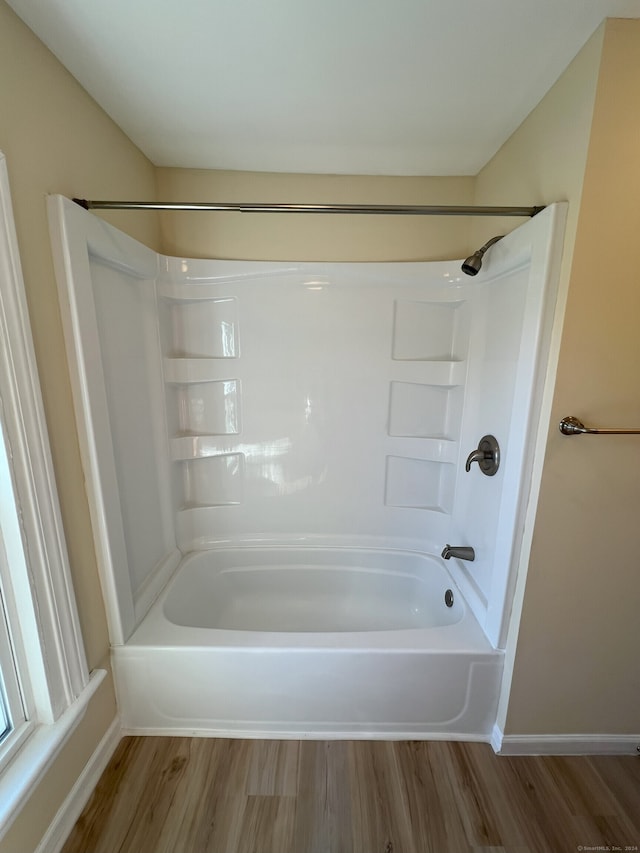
x: 309, y: 642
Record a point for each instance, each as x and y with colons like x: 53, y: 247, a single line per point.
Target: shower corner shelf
x: 200, y: 446
x: 185, y: 370
x: 191, y: 508
x: 434, y: 508
x: 413, y: 482
x: 181, y: 293
x: 212, y: 481
x: 445, y: 373
x: 429, y: 448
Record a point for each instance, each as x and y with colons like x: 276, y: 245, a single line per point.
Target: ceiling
x: 394, y: 87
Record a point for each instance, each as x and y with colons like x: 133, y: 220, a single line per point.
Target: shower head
x: 473, y: 263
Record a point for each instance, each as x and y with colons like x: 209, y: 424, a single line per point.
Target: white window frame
x: 37, y: 588
x: 14, y: 693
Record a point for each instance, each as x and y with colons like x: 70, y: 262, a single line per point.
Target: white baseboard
x: 598, y: 744
x: 78, y: 796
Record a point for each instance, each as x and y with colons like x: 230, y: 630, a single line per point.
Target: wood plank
x: 113, y: 806
x: 380, y: 807
x: 273, y: 769
x: 475, y: 808
x: 103, y: 799
x: 153, y: 806
x: 195, y: 794
x: 503, y: 798
x: 423, y: 803
x: 323, y: 810
x: 184, y: 795
x: 217, y: 823
x: 621, y: 777
x: 266, y: 825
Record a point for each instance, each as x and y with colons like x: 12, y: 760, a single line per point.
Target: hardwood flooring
x: 189, y: 795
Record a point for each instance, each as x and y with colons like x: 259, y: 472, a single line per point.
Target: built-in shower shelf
x: 428, y: 372
x: 423, y: 508
x: 428, y: 448
x: 202, y: 328
x: 201, y: 446
x: 192, y: 292
x: 196, y: 523
x: 418, y: 483
x: 215, y: 480
x: 191, y: 507
x: 425, y: 411
x: 183, y: 371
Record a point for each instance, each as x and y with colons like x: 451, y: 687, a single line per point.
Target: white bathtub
x: 309, y: 642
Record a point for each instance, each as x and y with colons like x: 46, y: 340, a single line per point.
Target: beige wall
x: 544, y: 160
x: 57, y: 140
x: 576, y: 663
x: 311, y: 238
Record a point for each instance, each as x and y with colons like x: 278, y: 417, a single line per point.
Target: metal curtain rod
x: 393, y: 209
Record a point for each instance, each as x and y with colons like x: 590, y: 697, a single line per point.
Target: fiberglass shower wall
x: 314, y: 402
x: 249, y: 402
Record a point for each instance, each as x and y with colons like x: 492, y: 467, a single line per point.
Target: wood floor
x: 183, y: 795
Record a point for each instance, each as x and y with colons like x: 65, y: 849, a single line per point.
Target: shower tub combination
x: 275, y: 458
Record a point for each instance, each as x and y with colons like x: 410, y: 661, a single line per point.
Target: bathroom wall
x: 300, y: 237
x: 56, y: 139
x: 575, y: 664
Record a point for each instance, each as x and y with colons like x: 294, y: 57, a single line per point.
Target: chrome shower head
x: 473, y: 263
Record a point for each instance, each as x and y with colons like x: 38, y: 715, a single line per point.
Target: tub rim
x: 158, y: 632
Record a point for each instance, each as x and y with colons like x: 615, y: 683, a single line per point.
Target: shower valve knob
x: 487, y: 456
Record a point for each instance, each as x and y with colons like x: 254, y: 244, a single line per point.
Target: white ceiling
x: 396, y: 87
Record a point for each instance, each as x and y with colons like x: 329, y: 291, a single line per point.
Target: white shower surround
x: 260, y: 408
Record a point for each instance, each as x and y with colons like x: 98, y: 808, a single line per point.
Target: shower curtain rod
x: 251, y: 207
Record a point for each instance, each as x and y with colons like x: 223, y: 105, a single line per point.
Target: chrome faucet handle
x: 487, y: 456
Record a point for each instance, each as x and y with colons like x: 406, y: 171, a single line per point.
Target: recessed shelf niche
x: 209, y: 408
x: 427, y: 331
x: 213, y: 481
x: 204, y: 329
x: 419, y: 484
x: 418, y: 410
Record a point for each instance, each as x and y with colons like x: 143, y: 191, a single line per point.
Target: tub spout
x: 462, y: 552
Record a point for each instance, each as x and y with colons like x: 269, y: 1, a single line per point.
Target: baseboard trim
x: 598, y: 744
x: 78, y: 796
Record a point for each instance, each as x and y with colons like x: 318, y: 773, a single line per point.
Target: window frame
x: 39, y: 600
x: 14, y: 697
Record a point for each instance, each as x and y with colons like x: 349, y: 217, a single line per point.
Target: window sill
x: 38, y: 753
